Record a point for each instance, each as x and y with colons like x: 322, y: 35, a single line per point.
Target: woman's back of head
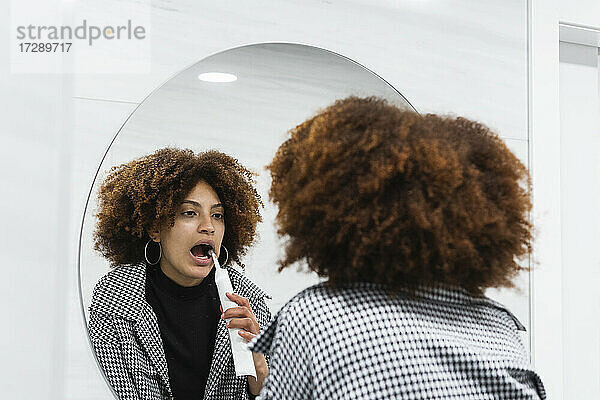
x: 370, y: 192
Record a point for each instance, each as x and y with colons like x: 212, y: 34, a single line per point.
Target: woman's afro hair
x: 144, y: 194
x: 370, y: 192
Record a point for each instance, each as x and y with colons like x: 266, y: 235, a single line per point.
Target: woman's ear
x: 154, y: 234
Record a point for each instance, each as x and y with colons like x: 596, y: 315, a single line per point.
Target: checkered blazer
x: 358, y: 342
x: 126, y: 339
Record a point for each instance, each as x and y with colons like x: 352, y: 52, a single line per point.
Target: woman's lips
x: 201, y: 260
x: 200, y: 252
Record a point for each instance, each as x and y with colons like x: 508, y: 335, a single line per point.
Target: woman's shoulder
x: 300, y: 318
x: 317, y: 291
x: 120, y: 291
x: 292, y: 318
x: 331, y: 297
x: 121, y: 278
x: 313, y: 302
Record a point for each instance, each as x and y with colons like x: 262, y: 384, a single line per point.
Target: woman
x: 410, y: 218
x: 155, y: 319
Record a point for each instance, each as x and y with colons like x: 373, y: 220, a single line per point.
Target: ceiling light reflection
x: 218, y: 77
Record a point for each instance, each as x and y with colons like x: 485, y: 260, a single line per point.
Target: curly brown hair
x: 370, y: 192
x: 144, y: 193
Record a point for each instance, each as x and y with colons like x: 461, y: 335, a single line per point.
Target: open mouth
x: 201, y: 251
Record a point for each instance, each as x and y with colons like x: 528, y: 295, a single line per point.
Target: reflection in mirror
x: 240, y: 102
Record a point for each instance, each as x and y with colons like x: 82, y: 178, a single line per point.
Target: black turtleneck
x: 187, y: 318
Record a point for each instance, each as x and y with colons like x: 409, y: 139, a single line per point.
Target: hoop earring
x: 146, y: 253
x: 226, y: 255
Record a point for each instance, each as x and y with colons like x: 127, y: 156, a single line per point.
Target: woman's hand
x: 242, y: 317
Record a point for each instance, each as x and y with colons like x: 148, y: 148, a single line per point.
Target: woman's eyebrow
x: 192, y: 202
x: 195, y: 203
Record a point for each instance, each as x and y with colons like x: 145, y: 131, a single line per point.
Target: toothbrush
x: 242, y: 356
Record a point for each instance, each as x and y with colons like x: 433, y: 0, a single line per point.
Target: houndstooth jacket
x: 359, y: 342
x: 126, y: 339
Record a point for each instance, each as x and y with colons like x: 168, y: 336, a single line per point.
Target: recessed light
x: 219, y: 77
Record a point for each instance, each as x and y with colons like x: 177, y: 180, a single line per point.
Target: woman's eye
x: 189, y: 213
x: 218, y: 216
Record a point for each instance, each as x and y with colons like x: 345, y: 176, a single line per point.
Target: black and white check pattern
x: 126, y: 339
x: 358, y: 342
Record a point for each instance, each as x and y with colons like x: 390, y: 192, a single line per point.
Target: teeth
x: 201, y: 251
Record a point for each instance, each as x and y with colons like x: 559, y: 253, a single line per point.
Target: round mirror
x: 242, y: 102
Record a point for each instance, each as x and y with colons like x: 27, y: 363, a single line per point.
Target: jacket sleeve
x: 108, y: 351
x: 290, y: 369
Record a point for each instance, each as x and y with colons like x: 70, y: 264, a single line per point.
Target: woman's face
x: 199, y: 226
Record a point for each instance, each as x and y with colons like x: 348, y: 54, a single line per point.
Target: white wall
x: 545, y: 151
x: 547, y: 288
x: 31, y: 298
x: 580, y: 196
x: 34, y: 215
x: 580, y: 12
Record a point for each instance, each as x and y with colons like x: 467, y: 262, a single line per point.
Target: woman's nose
x: 206, y: 226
